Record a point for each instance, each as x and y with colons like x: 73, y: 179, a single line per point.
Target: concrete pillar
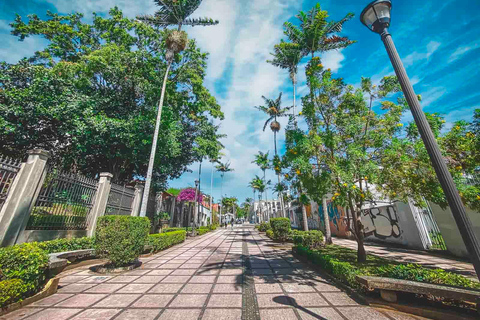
x: 100, y: 204
x: 22, y: 196
x: 137, y: 201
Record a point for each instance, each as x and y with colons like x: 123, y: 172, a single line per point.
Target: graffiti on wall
x: 381, y: 222
x: 338, y: 219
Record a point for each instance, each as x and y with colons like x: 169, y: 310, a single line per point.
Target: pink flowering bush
x: 189, y: 195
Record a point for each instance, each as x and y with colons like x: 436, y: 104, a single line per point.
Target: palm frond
x: 267, y: 122
x: 338, y: 26
x: 200, y: 22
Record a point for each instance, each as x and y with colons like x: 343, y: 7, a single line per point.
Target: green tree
x: 87, y: 97
x: 177, y: 13
x: 345, y: 144
x: 315, y: 33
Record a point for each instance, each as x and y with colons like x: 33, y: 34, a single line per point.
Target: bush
x: 121, y: 239
x: 213, y: 226
x: 270, y: 234
x: 264, y: 226
x: 162, y: 241
x: 334, y: 260
x: 22, y: 271
x: 172, y: 229
x: 281, y: 228
x: 61, y: 245
x: 12, y: 291
x: 311, y: 239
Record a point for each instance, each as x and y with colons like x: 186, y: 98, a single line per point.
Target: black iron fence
x: 8, y: 170
x: 120, y: 200
x: 64, y: 202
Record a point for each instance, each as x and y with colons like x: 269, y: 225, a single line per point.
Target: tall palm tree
x: 287, y: 55
x: 252, y: 184
x: 274, y: 110
x: 261, y: 160
x: 261, y: 186
x: 315, y: 33
x: 223, y: 168
x: 171, y: 12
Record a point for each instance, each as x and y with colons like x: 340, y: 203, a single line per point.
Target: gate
x: 428, y: 228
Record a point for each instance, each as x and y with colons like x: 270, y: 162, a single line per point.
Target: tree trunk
x: 180, y: 216
x: 280, y: 196
x: 326, y: 219
x: 359, y: 236
x: 148, y: 180
x: 275, y: 140
x: 266, y: 195
x: 305, y: 218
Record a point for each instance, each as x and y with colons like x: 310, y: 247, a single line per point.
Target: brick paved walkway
x: 223, y: 275
x: 413, y: 256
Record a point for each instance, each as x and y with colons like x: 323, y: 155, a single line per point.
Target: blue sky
x: 437, y: 40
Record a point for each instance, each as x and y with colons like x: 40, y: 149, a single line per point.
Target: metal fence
x: 120, y: 200
x: 8, y: 170
x: 64, y: 202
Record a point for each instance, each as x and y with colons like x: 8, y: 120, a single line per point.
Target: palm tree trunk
x: 266, y: 196
x: 326, y: 219
x: 304, y: 212
x: 148, y: 181
x: 275, y: 141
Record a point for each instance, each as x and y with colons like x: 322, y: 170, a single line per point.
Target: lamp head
x: 376, y: 16
x: 196, y: 183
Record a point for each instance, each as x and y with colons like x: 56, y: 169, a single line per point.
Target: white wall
x: 448, y: 228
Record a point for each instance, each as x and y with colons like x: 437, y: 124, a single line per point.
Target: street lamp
x: 376, y: 17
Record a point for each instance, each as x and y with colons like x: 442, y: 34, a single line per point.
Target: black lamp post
x: 376, y: 16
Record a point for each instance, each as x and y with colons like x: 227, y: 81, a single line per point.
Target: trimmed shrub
x: 11, y: 291
x: 270, y: 234
x: 311, y: 239
x: 213, y: 226
x: 264, y: 226
x: 172, y: 229
x: 347, y: 271
x: 61, y: 245
x: 281, y: 228
x: 121, y: 239
x: 22, y: 272
x: 162, y: 241
x: 26, y: 262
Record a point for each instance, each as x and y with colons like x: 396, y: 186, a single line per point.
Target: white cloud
x: 416, y: 56
x: 432, y: 95
x: 460, y: 51
x: 333, y: 60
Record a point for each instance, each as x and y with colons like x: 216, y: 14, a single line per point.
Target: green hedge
x: 281, y: 228
x: 338, y: 261
x: 162, y: 241
x: 61, y: 245
x: 165, y: 230
x: 22, y: 271
x: 264, y: 226
x: 269, y: 233
x: 121, y: 239
x: 311, y: 239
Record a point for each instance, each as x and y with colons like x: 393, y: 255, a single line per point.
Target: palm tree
x: 287, y: 56
x: 273, y: 109
x: 261, y: 160
x: 171, y: 12
x: 315, y: 34
x: 261, y: 187
x: 252, y: 184
x: 223, y: 168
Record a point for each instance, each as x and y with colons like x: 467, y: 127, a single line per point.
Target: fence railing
x: 8, y: 170
x: 64, y: 202
x: 120, y: 200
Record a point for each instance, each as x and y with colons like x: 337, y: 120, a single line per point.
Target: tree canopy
x: 89, y: 97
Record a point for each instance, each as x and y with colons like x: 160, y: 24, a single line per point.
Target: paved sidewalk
x: 224, y: 275
x: 413, y: 256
